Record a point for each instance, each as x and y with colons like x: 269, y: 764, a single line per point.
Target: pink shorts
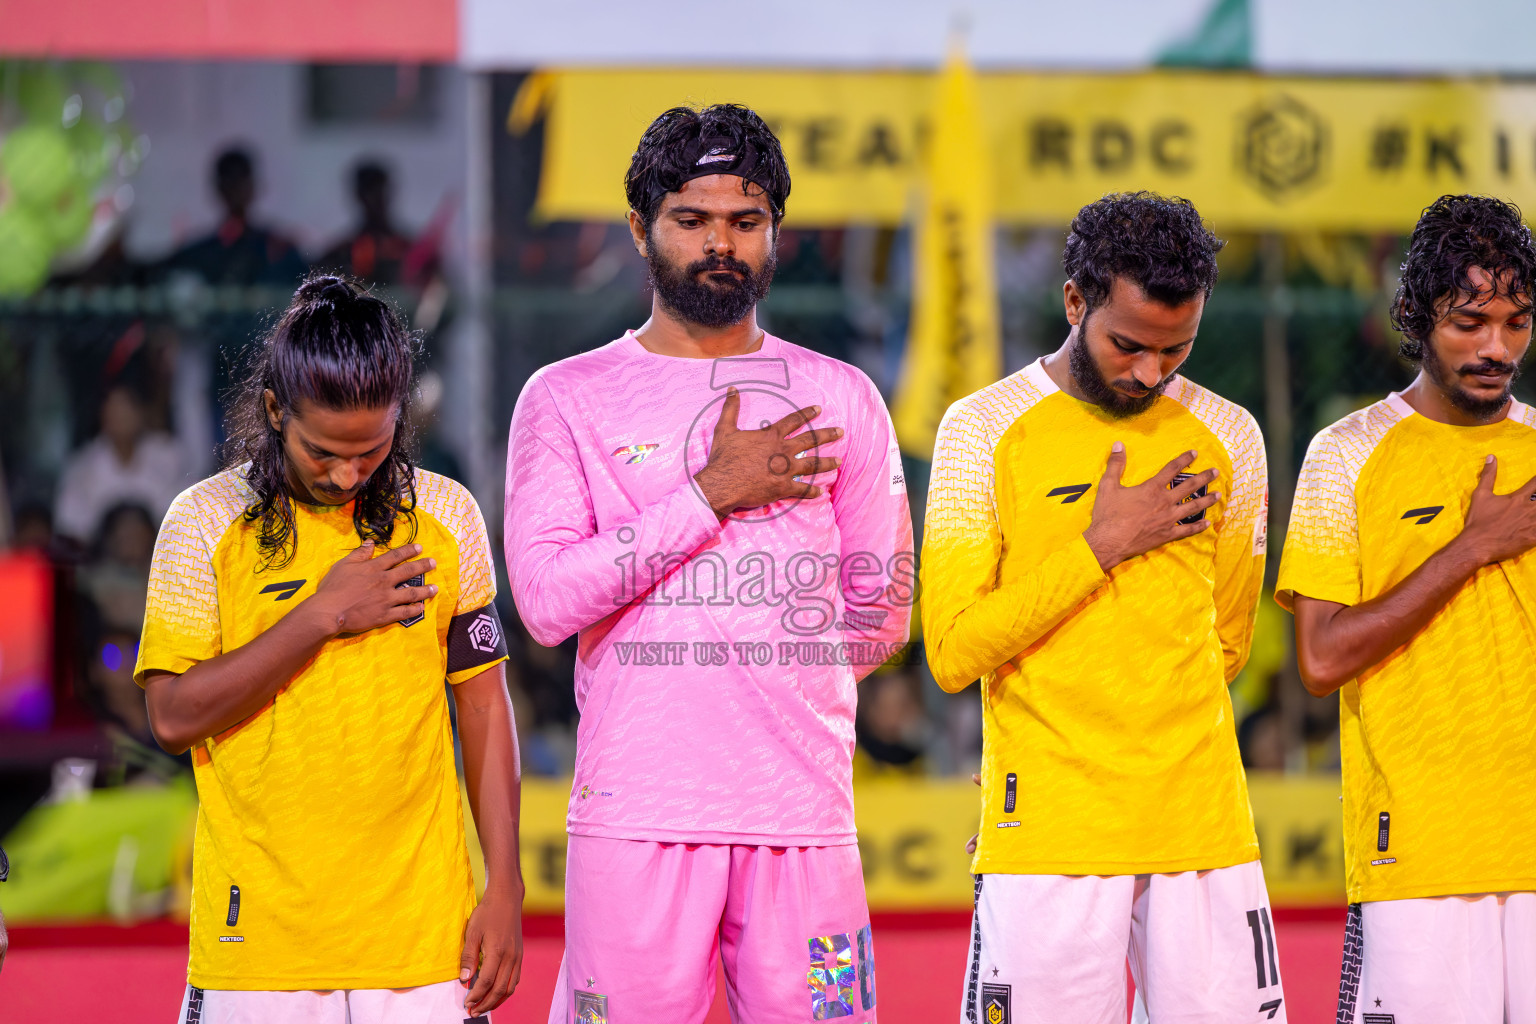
x: 1441, y: 960
x: 645, y: 922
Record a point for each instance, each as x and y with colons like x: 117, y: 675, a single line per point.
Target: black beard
x: 1477, y: 408
x: 709, y: 303
x: 1088, y: 377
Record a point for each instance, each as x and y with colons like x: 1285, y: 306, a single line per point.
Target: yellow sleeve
x: 181, y: 614
x: 971, y: 626
x: 1322, y: 544
x: 1241, y: 542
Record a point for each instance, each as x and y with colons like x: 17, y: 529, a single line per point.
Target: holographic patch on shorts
x: 831, y: 977
x: 591, y: 1008
x: 866, y: 940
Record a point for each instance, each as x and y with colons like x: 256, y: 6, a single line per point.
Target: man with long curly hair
x: 305, y: 606
x: 1093, y: 552
x: 1410, y: 568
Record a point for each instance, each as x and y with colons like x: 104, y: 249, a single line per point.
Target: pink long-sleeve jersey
x: 717, y: 664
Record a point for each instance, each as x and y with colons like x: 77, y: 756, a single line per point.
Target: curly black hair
x: 1454, y: 234
x: 1159, y: 242
x: 340, y: 348
x: 669, y: 151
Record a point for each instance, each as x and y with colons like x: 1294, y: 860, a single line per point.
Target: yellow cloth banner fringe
x: 954, y: 346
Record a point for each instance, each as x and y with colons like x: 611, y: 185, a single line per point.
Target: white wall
x: 190, y: 111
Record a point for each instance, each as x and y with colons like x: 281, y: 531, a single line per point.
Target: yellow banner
x: 912, y: 837
x: 1252, y: 152
x: 955, y: 346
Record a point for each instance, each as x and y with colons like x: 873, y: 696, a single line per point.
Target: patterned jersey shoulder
x: 986, y: 415
x: 181, y: 613
x: 1522, y: 413
x: 964, y: 472
x: 1231, y: 423
x: 1338, y: 454
x: 208, y: 507
x: 1322, y: 543
x: 1240, y: 437
x: 451, y: 504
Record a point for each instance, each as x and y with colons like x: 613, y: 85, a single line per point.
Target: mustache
x: 1133, y: 387
x: 716, y: 263
x: 1488, y: 366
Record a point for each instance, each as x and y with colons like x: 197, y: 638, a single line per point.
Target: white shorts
x: 442, y: 1003
x: 1052, y: 948
x: 1441, y: 960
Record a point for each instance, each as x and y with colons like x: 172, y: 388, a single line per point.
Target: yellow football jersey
x: 1439, y: 739
x: 1109, y: 745
x: 329, y: 850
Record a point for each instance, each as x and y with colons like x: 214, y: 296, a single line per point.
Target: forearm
x: 563, y: 581
x: 221, y: 692
x: 492, y: 775
x: 966, y: 645
x: 1335, y: 643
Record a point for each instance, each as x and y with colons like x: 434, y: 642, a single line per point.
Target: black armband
x: 475, y: 638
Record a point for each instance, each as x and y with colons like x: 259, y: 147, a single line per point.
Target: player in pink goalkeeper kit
x: 721, y: 516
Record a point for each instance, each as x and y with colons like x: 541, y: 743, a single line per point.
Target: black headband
x: 722, y: 156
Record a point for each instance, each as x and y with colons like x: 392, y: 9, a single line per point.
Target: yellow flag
x: 954, y: 347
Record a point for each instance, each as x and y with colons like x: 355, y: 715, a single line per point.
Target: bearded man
x: 721, y: 518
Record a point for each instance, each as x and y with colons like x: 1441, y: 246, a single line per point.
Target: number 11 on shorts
x: 1264, y: 954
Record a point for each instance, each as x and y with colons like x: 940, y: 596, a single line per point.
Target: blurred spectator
x: 1261, y: 738
x: 892, y: 725
x: 126, y: 462
x: 110, y: 691
x: 116, y: 577
x: 239, y: 252
x: 377, y: 252
x: 32, y: 527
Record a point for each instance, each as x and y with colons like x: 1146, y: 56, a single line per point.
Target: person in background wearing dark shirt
x: 239, y: 252
x: 377, y: 252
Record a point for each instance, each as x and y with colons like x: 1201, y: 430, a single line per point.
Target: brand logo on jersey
x: 634, y: 454
x: 1378, y: 1018
x: 484, y: 634
x: 234, y: 906
x: 284, y: 590
x: 1072, y: 493
x: 591, y: 1008
x: 995, y: 1000
x: 1383, y: 860
x: 1425, y: 514
x: 231, y: 938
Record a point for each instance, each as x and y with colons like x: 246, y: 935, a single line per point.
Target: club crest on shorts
x: 591, y: 1008
x: 995, y: 1000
